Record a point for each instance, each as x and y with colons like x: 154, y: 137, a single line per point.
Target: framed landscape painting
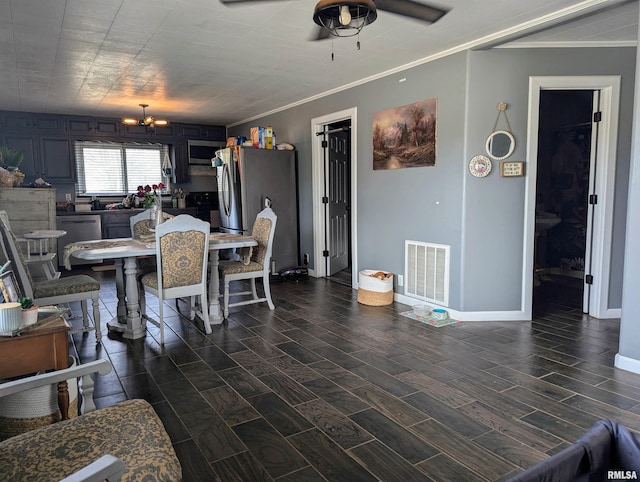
x: 405, y: 136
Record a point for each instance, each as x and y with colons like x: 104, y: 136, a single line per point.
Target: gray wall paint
x: 482, y: 219
x: 629, y: 326
x: 423, y: 204
x: 495, y: 206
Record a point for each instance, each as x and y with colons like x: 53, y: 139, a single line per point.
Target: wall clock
x: 480, y: 166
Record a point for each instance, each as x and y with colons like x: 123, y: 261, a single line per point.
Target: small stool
x: 41, y: 252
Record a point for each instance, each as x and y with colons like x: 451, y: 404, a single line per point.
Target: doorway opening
x: 334, y: 195
x: 601, y: 191
x: 565, y: 161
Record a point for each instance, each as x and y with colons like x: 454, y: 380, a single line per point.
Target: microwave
x: 201, y: 152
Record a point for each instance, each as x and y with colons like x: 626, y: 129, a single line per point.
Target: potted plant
x: 10, y: 158
x: 29, y: 312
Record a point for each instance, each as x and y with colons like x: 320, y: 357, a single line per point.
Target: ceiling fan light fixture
x: 344, y: 18
x: 147, y: 120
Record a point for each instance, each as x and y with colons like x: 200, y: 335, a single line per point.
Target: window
x: 116, y: 169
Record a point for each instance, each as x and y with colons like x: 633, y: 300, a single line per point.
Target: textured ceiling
x: 201, y: 61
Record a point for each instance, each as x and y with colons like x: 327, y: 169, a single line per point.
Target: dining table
x: 125, y: 253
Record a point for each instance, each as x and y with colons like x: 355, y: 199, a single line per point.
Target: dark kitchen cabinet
x: 91, y: 126
x: 80, y: 125
x: 48, y: 141
x: 115, y: 224
x: 147, y: 132
x: 107, y: 127
x: 15, y: 121
x: 47, y: 123
x: 52, y: 159
x: 211, y: 133
x: 57, y: 160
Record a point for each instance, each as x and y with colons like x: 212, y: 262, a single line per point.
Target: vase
x: 159, y: 215
x: 153, y: 215
x: 182, y: 203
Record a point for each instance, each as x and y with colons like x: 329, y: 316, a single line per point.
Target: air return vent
x: 426, y: 268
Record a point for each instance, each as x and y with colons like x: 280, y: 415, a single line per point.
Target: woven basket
x: 375, y: 298
x: 36, y: 407
x: 374, y: 291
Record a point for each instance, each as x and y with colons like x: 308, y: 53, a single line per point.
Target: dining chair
x: 257, y: 266
x: 141, y: 227
x: 54, y: 291
x: 35, y: 256
x: 182, y: 251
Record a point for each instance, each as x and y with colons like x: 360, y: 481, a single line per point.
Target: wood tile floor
x: 324, y: 388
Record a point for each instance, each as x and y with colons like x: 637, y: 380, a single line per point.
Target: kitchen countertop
x: 130, y: 210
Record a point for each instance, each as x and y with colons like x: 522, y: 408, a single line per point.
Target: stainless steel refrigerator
x: 246, y: 178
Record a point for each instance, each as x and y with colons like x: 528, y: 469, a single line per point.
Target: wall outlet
x: 305, y: 258
x: 400, y: 280
x: 67, y: 197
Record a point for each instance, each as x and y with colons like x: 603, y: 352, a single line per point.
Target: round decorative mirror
x: 500, y: 145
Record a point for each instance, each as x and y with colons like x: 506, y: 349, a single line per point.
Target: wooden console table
x: 45, y: 347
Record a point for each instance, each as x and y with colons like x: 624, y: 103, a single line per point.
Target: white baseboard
x: 626, y: 363
x: 467, y: 315
x: 611, y: 313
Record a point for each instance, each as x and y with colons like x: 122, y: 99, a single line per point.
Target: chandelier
x: 147, y: 120
x: 344, y: 18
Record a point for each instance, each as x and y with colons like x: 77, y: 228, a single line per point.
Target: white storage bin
x: 375, y: 290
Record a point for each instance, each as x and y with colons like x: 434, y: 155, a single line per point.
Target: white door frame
x: 318, y: 179
x: 609, y: 87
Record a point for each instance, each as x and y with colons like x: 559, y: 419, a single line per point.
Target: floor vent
x: 426, y: 268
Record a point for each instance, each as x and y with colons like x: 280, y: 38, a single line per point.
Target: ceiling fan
x: 345, y: 18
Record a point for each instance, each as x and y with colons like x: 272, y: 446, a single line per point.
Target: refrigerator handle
x: 226, y: 189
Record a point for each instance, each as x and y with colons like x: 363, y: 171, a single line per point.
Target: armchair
x: 127, y: 439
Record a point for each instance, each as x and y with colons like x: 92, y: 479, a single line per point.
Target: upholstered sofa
x: 129, y: 432
x: 607, y: 451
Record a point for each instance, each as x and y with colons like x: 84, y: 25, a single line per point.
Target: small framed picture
x: 9, y: 290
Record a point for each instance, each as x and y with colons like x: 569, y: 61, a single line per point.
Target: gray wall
x: 495, y: 206
x: 629, y: 326
x: 482, y: 219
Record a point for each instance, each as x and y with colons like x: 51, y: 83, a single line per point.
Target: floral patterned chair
x: 54, y: 291
x: 258, y: 266
x: 141, y: 227
x: 126, y: 441
x: 182, y: 252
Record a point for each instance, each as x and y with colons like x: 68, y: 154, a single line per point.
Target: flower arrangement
x: 150, y: 195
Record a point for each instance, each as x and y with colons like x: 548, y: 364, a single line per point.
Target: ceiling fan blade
x: 409, y: 8
x: 320, y: 33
